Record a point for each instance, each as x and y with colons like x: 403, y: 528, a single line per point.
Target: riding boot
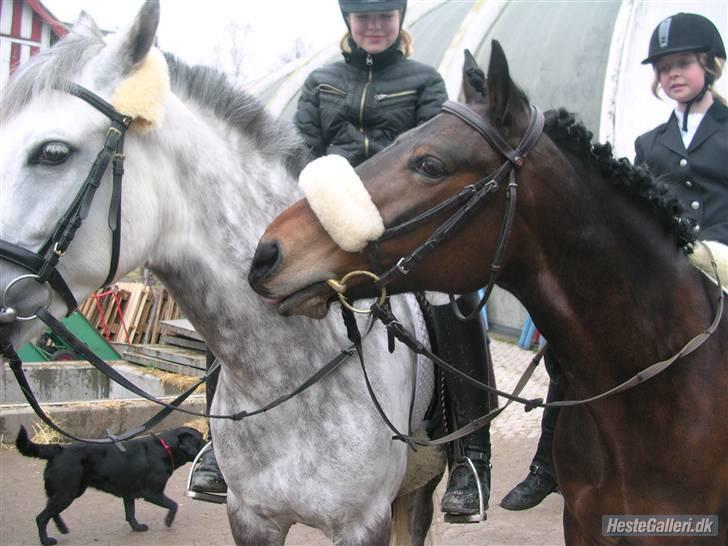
x: 464, y: 344
x: 541, y: 479
x: 205, y: 481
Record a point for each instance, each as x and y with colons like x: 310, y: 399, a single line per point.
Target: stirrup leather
x: 467, y: 518
x: 217, y: 498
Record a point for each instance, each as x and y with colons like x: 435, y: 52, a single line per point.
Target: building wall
x: 23, y: 33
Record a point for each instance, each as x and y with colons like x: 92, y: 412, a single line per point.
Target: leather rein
x: 470, y: 199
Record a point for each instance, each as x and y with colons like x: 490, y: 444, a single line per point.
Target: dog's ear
x: 190, y: 442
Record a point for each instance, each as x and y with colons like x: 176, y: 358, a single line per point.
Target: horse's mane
x: 212, y: 90
x: 562, y: 127
x: 56, y: 67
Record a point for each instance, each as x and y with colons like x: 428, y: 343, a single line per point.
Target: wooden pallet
x: 181, y: 341
x: 142, y: 308
x: 165, y: 357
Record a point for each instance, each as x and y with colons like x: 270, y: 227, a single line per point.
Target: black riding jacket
x: 698, y: 175
x: 356, y: 107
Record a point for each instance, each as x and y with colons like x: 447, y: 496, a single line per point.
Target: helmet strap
x: 688, y: 104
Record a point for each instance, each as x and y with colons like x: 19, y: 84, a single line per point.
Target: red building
x: 26, y: 26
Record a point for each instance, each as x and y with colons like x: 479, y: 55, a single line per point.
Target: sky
x: 199, y: 32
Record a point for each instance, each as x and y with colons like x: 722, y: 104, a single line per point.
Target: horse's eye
x: 430, y: 167
x: 51, y: 153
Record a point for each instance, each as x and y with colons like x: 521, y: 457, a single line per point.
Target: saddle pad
x: 427, y: 462
x: 701, y: 259
x: 425, y: 378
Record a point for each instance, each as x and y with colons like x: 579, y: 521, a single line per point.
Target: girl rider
x: 355, y: 108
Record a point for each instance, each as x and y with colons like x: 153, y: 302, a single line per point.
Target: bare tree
x: 299, y: 48
x: 237, y: 54
x: 234, y: 49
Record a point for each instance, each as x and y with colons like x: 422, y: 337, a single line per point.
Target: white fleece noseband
x: 341, y: 203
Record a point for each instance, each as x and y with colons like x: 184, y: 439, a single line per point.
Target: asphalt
x: 98, y: 518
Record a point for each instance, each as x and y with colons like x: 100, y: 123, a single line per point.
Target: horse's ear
x: 86, y: 26
x: 133, y: 45
x: 473, y: 80
x: 137, y: 72
x: 502, y: 93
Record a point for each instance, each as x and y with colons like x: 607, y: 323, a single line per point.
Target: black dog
x: 141, y: 472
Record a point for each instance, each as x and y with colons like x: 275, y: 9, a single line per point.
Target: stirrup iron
x: 467, y: 518
x: 217, y: 498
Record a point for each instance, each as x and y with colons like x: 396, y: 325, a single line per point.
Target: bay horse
x: 597, y: 255
x: 206, y: 170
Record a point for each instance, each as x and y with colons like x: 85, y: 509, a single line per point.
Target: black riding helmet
x: 361, y: 6
x: 684, y: 32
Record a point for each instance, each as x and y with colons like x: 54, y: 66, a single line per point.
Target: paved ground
x: 97, y: 518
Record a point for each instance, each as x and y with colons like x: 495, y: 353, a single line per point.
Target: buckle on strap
x: 402, y: 268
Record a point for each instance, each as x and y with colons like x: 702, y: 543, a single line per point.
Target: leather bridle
x: 41, y: 265
x: 469, y: 200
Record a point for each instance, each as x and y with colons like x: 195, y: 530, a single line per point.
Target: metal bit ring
x: 22, y: 278
x: 340, y: 288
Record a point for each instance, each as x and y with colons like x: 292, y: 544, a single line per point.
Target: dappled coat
x: 358, y: 106
x: 698, y: 175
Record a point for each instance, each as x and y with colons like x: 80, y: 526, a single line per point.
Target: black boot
x: 468, y: 488
x: 531, y: 491
x: 206, y: 476
x: 541, y: 479
x: 465, y: 345
x: 205, y: 481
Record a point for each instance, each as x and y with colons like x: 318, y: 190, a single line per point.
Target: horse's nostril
x: 266, y: 259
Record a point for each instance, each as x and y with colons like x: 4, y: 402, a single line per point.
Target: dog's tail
x: 30, y: 449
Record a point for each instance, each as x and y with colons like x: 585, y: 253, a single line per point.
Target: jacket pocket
x: 379, y: 97
x: 329, y: 89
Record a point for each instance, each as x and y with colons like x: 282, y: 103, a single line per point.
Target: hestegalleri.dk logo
x: 660, y: 525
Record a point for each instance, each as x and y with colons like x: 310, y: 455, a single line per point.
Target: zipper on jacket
x: 326, y: 88
x: 384, y: 96
x: 370, y: 62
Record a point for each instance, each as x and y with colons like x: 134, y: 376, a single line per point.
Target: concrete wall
x: 93, y: 419
x: 69, y: 381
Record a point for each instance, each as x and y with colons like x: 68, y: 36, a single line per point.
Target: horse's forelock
x: 52, y: 68
x: 561, y: 126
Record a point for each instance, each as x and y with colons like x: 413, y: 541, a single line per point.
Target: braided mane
x: 567, y: 133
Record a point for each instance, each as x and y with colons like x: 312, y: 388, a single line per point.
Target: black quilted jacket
x: 356, y: 107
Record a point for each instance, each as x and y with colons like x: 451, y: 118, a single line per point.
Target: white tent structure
x: 581, y: 55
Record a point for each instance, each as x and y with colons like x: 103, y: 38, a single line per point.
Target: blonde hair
x: 405, y: 43
x: 711, y: 64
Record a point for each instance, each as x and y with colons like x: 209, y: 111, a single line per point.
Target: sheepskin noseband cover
x: 341, y: 203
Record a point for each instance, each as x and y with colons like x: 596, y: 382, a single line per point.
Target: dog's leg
x: 131, y: 518
x: 56, y: 505
x: 42, y: 520
x: 60, y: 524
x: 58, y: 501
x: 165, y: 502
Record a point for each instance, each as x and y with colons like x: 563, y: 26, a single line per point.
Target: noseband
x: 469, y: 200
